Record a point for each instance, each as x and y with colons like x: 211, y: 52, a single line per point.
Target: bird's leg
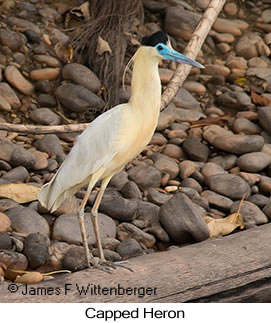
x: 81, y: 214
x: 94, y: 217
x: 104, y: 264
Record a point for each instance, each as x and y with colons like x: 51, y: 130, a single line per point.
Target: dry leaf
x: 47, y: 40
x: 21, y: 193
x: 260, y: 99
x: 222, y: 227
x: 102, y: 46
x: 64, y: 52
x: 85, y: 10
x: 81, y: 11
x: 29, y: 278
x: 241, y: 81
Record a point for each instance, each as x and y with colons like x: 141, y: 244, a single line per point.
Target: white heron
x: 114, y: 138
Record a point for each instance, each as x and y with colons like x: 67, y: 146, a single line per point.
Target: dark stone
x: 195, y: 149
x: 182, y: 219
x: 32, y: 36
x: 77, y: 98
x: 260, y: 200
x: 145, y: 176
x: 131, y: 191
x: 18, y: 174
x: 129, y: 248
x: 5, y: 241
x: 66, y: 228
x: 22, y: 157
x: 157, y: 197
x: 44, y: 86
x: 251, y: 214
x: 118, y: 207
x: 27, y: 220
x: 51, y: 145
x: 229, y: 185
x: 108, y: 254
x: 74, y: 259
x: 46, y: 100
x: 36, y: 249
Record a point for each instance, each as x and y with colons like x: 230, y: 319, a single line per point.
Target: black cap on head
x: 154, y: 39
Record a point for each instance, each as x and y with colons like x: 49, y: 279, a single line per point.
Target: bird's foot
x: 109, y: 266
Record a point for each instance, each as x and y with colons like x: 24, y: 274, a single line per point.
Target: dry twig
x: 192, y: 50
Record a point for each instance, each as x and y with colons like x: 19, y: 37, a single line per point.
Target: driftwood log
x: 236, y: 268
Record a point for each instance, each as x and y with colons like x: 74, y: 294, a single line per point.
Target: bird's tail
x: 55, y: 192
x: 49, y: 196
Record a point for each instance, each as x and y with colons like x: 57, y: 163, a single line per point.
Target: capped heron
x: 114, y: 138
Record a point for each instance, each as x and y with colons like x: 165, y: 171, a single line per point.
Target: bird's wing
x: 93, y: 149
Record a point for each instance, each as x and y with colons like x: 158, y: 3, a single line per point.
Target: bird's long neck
x: 146, y: 85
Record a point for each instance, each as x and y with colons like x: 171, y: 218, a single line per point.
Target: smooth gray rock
x: 182, y: 220
x: 217, y: 200
x: 129, y: 248
x: 184, y: 99
x: 9, y: 95
x: 252, y: 215
x: 27, y: 220
x: 119, y: 180
x: 77, y: 98
x: 231, y: 186
x: 6, y: 150
x: 165, y: 164
x: 191, y: 183
x: 36, y: 249
x: 260, y: 200
x: 81, y: 75
x: 148, y: 213
x: 45, y: 116
x: 66, y: 228
x: 51, y: 144
x: 254, y: 162
x: 74, y: 259
x: 267, y: 210
x: 128, y: 230
x: 234, y: 100
x: 145, y: 176
x: 157, y: 197
x: 236, y: 144
x: 180, y: 23
x: 5, y: 241
x: 108, y: 254
x: 117, y: 207
x: 22, y: 157
x: 264, y: 114
x: 131, y: 191
x: 17, y: 174
x: 245, y: 126
x: 46, y: 100
x: 195, y: 150
x: 11, y: 39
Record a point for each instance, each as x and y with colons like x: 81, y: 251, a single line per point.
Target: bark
x: 236, y: 268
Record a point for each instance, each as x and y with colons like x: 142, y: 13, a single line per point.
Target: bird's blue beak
x: 173, y: 55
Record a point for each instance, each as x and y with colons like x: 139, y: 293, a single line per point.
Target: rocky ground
x: 211, y: 148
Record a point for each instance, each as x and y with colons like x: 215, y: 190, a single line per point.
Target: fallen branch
x: 43, y: 129
x: 236, y: 268
x: 192, y: 49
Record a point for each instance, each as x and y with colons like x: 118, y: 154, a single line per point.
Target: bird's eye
x: 159, y: 47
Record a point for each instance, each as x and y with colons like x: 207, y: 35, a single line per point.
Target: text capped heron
x: 114, y: 138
